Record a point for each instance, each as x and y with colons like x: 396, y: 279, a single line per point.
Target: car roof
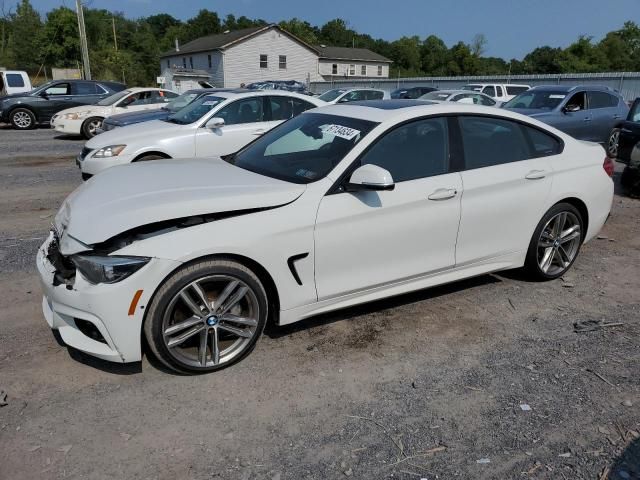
x: 145, y: 89
x: 214, y: 90
x: 240, y: 93
x: 453, y: 92
x: 571, y: 88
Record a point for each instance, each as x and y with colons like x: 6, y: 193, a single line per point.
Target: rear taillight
x: 608, y: 166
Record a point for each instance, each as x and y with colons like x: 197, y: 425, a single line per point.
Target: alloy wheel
x: 211, y: 321
x: 612, y: 146
x: 559, y: 243
x: 22, y: 119
x: 93, y: 126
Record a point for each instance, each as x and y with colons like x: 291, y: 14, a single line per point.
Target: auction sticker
x: 340, y: 131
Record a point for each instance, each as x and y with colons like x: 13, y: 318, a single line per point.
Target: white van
x: 14, y: 81
x: 501, y: 92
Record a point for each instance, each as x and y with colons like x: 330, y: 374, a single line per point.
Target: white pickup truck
x: 501, y: 92
x: 14, y: 81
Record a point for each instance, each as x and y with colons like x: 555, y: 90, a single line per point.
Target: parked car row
x: 302, y: 208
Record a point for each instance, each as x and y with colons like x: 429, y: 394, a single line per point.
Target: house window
x: 352, y: 69
x: 191, y: 62
x: 334, y: 69
x: 184, y: 62
x: 168, y: 64
x: 379, y: 70
x: 282, y: 62
x: 209, y: 60
x: 363, y: 70
x: 264, y: 61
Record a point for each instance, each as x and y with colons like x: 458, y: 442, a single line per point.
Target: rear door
x: 605, y: 114
x: 507, y: 177
x: 85, y: 93
x: 244, y: 119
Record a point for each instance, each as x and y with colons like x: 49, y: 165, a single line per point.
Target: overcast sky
x: 512, y: 27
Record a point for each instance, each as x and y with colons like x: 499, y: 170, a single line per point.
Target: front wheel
x: 23, y: 119
x: 206, y: 316
x: 555, y: 243
x: 90, y: 127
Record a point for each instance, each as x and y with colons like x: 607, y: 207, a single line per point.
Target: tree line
x: 31, y: 42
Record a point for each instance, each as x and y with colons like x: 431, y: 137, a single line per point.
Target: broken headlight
x: 107, y: 269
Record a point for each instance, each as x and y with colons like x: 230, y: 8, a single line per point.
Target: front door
x: 56, y: 97
x: 575, y: 123
x: 244, y: 120
x: 366, y: 239
x: 507, y: 178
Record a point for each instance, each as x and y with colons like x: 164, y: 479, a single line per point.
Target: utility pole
x: 115, y: 38
x: 83, y: 41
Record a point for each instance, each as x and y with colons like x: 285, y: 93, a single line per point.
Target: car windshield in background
x: 304, y: 149
x: 331, y: 95
x: 441, y: 96
x: 473, y: 88
x: 180, y: 102
x: 536, y: 100
x: 110, y: 100
x: 195, y: 110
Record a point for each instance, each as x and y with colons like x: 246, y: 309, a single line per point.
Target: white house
x: 270, y: 53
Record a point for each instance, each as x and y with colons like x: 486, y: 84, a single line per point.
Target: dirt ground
x: 482, y: 379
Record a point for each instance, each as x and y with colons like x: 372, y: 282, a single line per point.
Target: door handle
x: 616, y: 116
x: 535, y: 175
x: 587, y: 119
x: 259, y: 132
x: 443, y: 194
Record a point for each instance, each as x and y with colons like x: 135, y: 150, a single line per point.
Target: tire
x: 612, y: 143
x: 89, y: 127
x: 630, y: 181
x: 22, y: 119
x: 551, y: 255
x: 178, y: 322
x: 86, y: 176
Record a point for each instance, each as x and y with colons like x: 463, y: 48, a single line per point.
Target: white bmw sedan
x: 213, y: 125
x: 338, y: 206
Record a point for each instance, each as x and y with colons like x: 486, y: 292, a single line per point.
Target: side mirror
x: 215, y: 122
x: 44, y: 95
x: 371, y: 177
x: 571, y: 108
x: 343, y: 100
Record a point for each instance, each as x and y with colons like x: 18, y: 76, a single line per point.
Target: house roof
x: 346, y: 53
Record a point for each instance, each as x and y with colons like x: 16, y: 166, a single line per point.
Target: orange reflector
x: 134, y: 302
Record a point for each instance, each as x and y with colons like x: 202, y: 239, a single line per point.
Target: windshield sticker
x: 557, y: 96
x: 340, y: 131
x: 306, y: 174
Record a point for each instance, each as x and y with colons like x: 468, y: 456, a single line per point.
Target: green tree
x: 301, y: 29
x: 434, y: 56
x: 25, y: 42
x: 60, y: 39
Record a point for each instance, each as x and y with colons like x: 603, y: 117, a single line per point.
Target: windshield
x: 536, y: 100
x: 475, y: 88
x: 42, y: 87
x: 440, y: 96
x: 304, y: 149
x: 195, y: 110
x: 110, y: 100
x: 180, y: 101
x: 331, y: 95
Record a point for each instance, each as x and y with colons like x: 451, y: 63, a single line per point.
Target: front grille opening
x: 90, y: 330
x: 65, y: 269
x: 85, y: 152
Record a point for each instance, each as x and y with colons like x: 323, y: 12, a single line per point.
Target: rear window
x: 514, y: 90
x: 15, y: 80
x: 602, y: 100
x: 475, y: 88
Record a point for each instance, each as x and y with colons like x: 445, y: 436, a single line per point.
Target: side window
x: 161, y: 96
x: 543, y: 144
x: 415, y: 150
x: 58, y: 89
x: 602, y: 100
x: 140, y: 98
x: 634, y: 114
x: 14, y: 80
x: 84, y: 88
x: 499, y: 91
x: 374, y: 95
x: 248, y: 110
x: 264, y: 61
x: 577, y: 100
x: 281, y: 108
x: 489, y: 90
x: 300, y: 106
x: 489, y: 141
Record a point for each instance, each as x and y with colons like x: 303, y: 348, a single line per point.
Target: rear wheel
x: 555, y: 243
x: 90, y: 127
x: 23, y: 119
x: 206, y: 316
x: 612, y: 144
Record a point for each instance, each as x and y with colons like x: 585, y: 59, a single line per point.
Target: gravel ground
x: 43, y: 141
x: 482, y: 379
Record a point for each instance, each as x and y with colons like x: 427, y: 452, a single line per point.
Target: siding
x: 325, y: 69
x: 200, y: 62
x: 242, y: 61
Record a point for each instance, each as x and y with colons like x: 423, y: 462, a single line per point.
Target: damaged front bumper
x: 98, y: 319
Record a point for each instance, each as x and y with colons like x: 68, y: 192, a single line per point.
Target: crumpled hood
x: 125, y: 197
x: 129, y: 118
x: 121, y: 136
